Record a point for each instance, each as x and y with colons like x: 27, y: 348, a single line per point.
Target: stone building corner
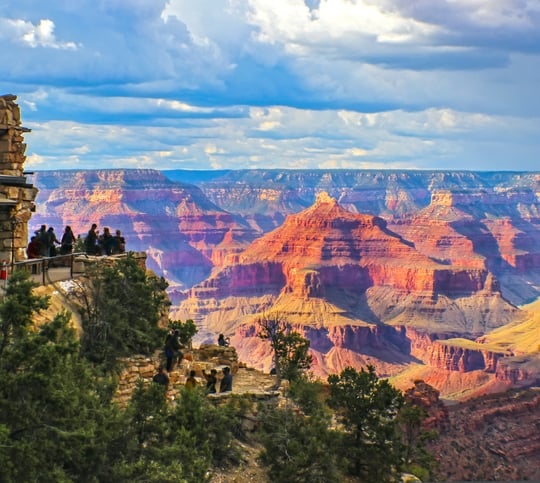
x: 16, y: 194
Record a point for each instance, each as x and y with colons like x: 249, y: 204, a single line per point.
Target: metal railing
x: 47, y: 270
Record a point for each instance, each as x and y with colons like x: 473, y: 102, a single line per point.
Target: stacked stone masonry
x: 16, y: 195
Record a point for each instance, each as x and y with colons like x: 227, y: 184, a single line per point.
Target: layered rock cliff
x: 184, y: 233
x: 477, y: 220
x: 384, y: 271
x: 360, y: 292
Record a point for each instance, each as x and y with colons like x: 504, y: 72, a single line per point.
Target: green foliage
x: 53, y: 417
x: 294, y: 356
x: 291, y: 350
x: 186, y: 330
x: 368, y: 409
x: 299, y: 448
x: 417, y: 459
x: 58, y: 422
x: 120, y: 308
x: 179, y: 442
x: 17, y: 308
x: 308, y: 395
x: 299, y: 444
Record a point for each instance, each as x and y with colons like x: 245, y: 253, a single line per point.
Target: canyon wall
x: 396, y: 269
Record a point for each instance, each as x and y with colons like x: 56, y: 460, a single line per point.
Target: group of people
x: 44, y: 243
x: 225, y: 384
x: 174, y: 355
x: 105, y: 243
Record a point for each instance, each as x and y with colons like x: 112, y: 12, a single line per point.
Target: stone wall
x: 144, y: 367
x: 16, y: 195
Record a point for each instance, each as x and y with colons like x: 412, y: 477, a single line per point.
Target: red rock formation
x: 473, y: 228
x: 427, y: 397
x: 491, y: 438
x: 353, y: 252
x: 184, y: 234
x: 519, y: 371
x: 445, y: 355
x: 354, y: 264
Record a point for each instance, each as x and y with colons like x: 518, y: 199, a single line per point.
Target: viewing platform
x: 49, y: 270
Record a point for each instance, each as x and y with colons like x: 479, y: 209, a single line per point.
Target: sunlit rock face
x: 360, y: 292
x: 474, y: 219
x: 375, y: 267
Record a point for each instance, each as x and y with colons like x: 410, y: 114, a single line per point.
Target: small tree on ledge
x: 290, y: 350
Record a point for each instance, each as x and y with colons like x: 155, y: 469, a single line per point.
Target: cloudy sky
x: 214, y: 84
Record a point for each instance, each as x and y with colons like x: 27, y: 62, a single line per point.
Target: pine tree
x: 55, y: 417
x: 368, y: 409
x: 121, y: 306
x: 290, y: 350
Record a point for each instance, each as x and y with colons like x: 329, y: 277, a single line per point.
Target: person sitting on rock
x: 211, y: 380
x: 223, y: 341
x: 191, y: 382
x: 161, y: 377
x: 226, y: 382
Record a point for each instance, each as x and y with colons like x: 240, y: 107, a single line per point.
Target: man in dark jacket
x: 226, y: 382
x: 172, y: 349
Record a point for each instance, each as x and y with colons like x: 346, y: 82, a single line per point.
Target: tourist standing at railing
x: 90, y: 242
x: 52, y: 240
x: 120, y: 246
x: 43, y: 241
x: 32, y: 250
x: 107, y: 242
x: 68, y: 239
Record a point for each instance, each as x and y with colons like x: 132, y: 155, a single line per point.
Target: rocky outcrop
x: 445, y: 355
x: 370, y: 277
x: 333, y: 348
x: 491, y: 438
x: 327, y: 246
x: 478, y: 220
x: 327, y: 252
x: 427, y: 397
x: 519, y: 371
x: 143, y: 367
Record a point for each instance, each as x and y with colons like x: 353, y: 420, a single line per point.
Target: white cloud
x: 252, y: 83
x: 292, y: 23
x: 39, y: 35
